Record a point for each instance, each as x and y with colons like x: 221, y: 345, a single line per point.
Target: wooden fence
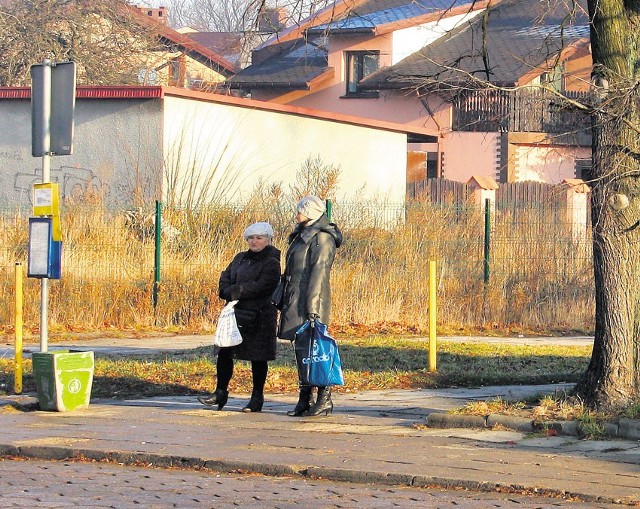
x: 513, y: 195
x: 523, y: 110
x: 439, y: 191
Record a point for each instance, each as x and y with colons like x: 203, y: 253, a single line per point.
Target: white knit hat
x: 311, y: 207
x: 263, y: 229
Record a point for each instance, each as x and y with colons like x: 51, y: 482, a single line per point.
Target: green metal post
x: 487, y: 238
x: 329, y: 209
x: 156, y: 265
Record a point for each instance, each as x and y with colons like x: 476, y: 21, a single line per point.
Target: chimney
x: 161, y: 14
x: 271, y: 20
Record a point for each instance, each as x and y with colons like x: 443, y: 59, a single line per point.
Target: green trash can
x: 63, y: 379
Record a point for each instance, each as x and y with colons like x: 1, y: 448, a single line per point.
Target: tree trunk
x: 612, y: 379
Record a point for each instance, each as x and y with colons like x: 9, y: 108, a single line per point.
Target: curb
x: 23, y: 402
x: 626, y: 429
x: 270, y: 469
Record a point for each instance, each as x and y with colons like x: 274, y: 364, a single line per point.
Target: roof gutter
x: 268, y: 85
x: 342, y: 31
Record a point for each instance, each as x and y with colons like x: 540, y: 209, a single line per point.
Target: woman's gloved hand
x: 231, y: 292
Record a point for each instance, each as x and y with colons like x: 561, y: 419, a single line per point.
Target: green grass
x: 633, y: 412
x: 374, y: 362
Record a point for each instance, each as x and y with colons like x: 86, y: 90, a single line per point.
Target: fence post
x: 487, y: 238
x: 577, y: 196
x: 156, y: 264
x: 432, y: 317
x: 487, y: 251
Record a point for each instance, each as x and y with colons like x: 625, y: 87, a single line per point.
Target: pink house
x: 424, y: 63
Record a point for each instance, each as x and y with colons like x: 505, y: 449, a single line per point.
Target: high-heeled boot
x: 219, y: 397
x: 322, y: 405
x: 255, y: 403
x: 305, y: 400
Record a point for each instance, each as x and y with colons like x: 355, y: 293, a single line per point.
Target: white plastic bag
x: 227, y: 332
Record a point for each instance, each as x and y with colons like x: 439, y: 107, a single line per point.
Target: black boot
x: 219, y: 397
x: 305, y: 400
x: 255, y: 403
x: 322, y: 405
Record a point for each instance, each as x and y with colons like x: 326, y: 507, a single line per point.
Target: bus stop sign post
x: 53, y: 100
x: 53, y: 95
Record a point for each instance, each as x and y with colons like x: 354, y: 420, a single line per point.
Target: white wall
x: 239, y: 146
x: 409, y: 40
x: 547, y: 163
x: 124, y: 147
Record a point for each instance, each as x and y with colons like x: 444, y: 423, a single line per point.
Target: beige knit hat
x: 260, y: 228
x: 311, y: 207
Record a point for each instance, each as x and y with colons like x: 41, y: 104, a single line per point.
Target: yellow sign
x: 47, y: 203
x: 56, y: 229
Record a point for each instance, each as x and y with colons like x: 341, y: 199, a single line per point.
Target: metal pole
x: 329, y: 209
x: 432, y: 316
x: 156, y: 264
x: 17, y: 379
x: 46, y: 178
x: 487, y: 238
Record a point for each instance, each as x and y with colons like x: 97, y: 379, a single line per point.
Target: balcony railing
x: 522, y: 110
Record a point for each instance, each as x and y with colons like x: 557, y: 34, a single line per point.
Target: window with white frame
x: 583, y: 168
x: 554, y: 78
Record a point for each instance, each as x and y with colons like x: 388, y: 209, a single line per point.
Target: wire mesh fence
x: 539, y: 270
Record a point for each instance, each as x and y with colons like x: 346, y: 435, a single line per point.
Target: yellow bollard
x: 432, y: 316
x: 17, y: 380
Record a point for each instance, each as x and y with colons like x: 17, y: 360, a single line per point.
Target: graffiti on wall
x: 11, y: 155
x: 76, y: 184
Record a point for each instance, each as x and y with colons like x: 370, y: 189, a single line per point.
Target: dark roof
x: 373, y: 13
x: 299, y: 63
x: 293, y: 64
x: 521, y: 36
x: 187, y: 45
x: 227, y: 44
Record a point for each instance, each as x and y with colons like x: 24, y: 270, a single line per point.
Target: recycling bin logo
x: 74, y: 386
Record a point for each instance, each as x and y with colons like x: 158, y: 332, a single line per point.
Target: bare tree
x: 102, y: 37
x: 315, y: 177
x: 211, y: 15
x: 612, y: 379
x: 236, y: 15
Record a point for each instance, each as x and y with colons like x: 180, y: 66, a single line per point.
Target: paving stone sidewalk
x: 380, y: 437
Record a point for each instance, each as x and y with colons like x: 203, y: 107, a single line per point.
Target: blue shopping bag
x: 317, y: 356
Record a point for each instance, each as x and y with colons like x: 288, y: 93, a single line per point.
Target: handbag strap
x: 310, y: 352
x: 286, y: 263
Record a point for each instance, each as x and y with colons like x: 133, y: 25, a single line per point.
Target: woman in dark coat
x: 307, y: 293
x: 250, y: 279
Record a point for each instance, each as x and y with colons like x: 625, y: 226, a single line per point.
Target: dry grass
x: 559, y: 406
x: 540, y: 279
x: 552, y: 407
